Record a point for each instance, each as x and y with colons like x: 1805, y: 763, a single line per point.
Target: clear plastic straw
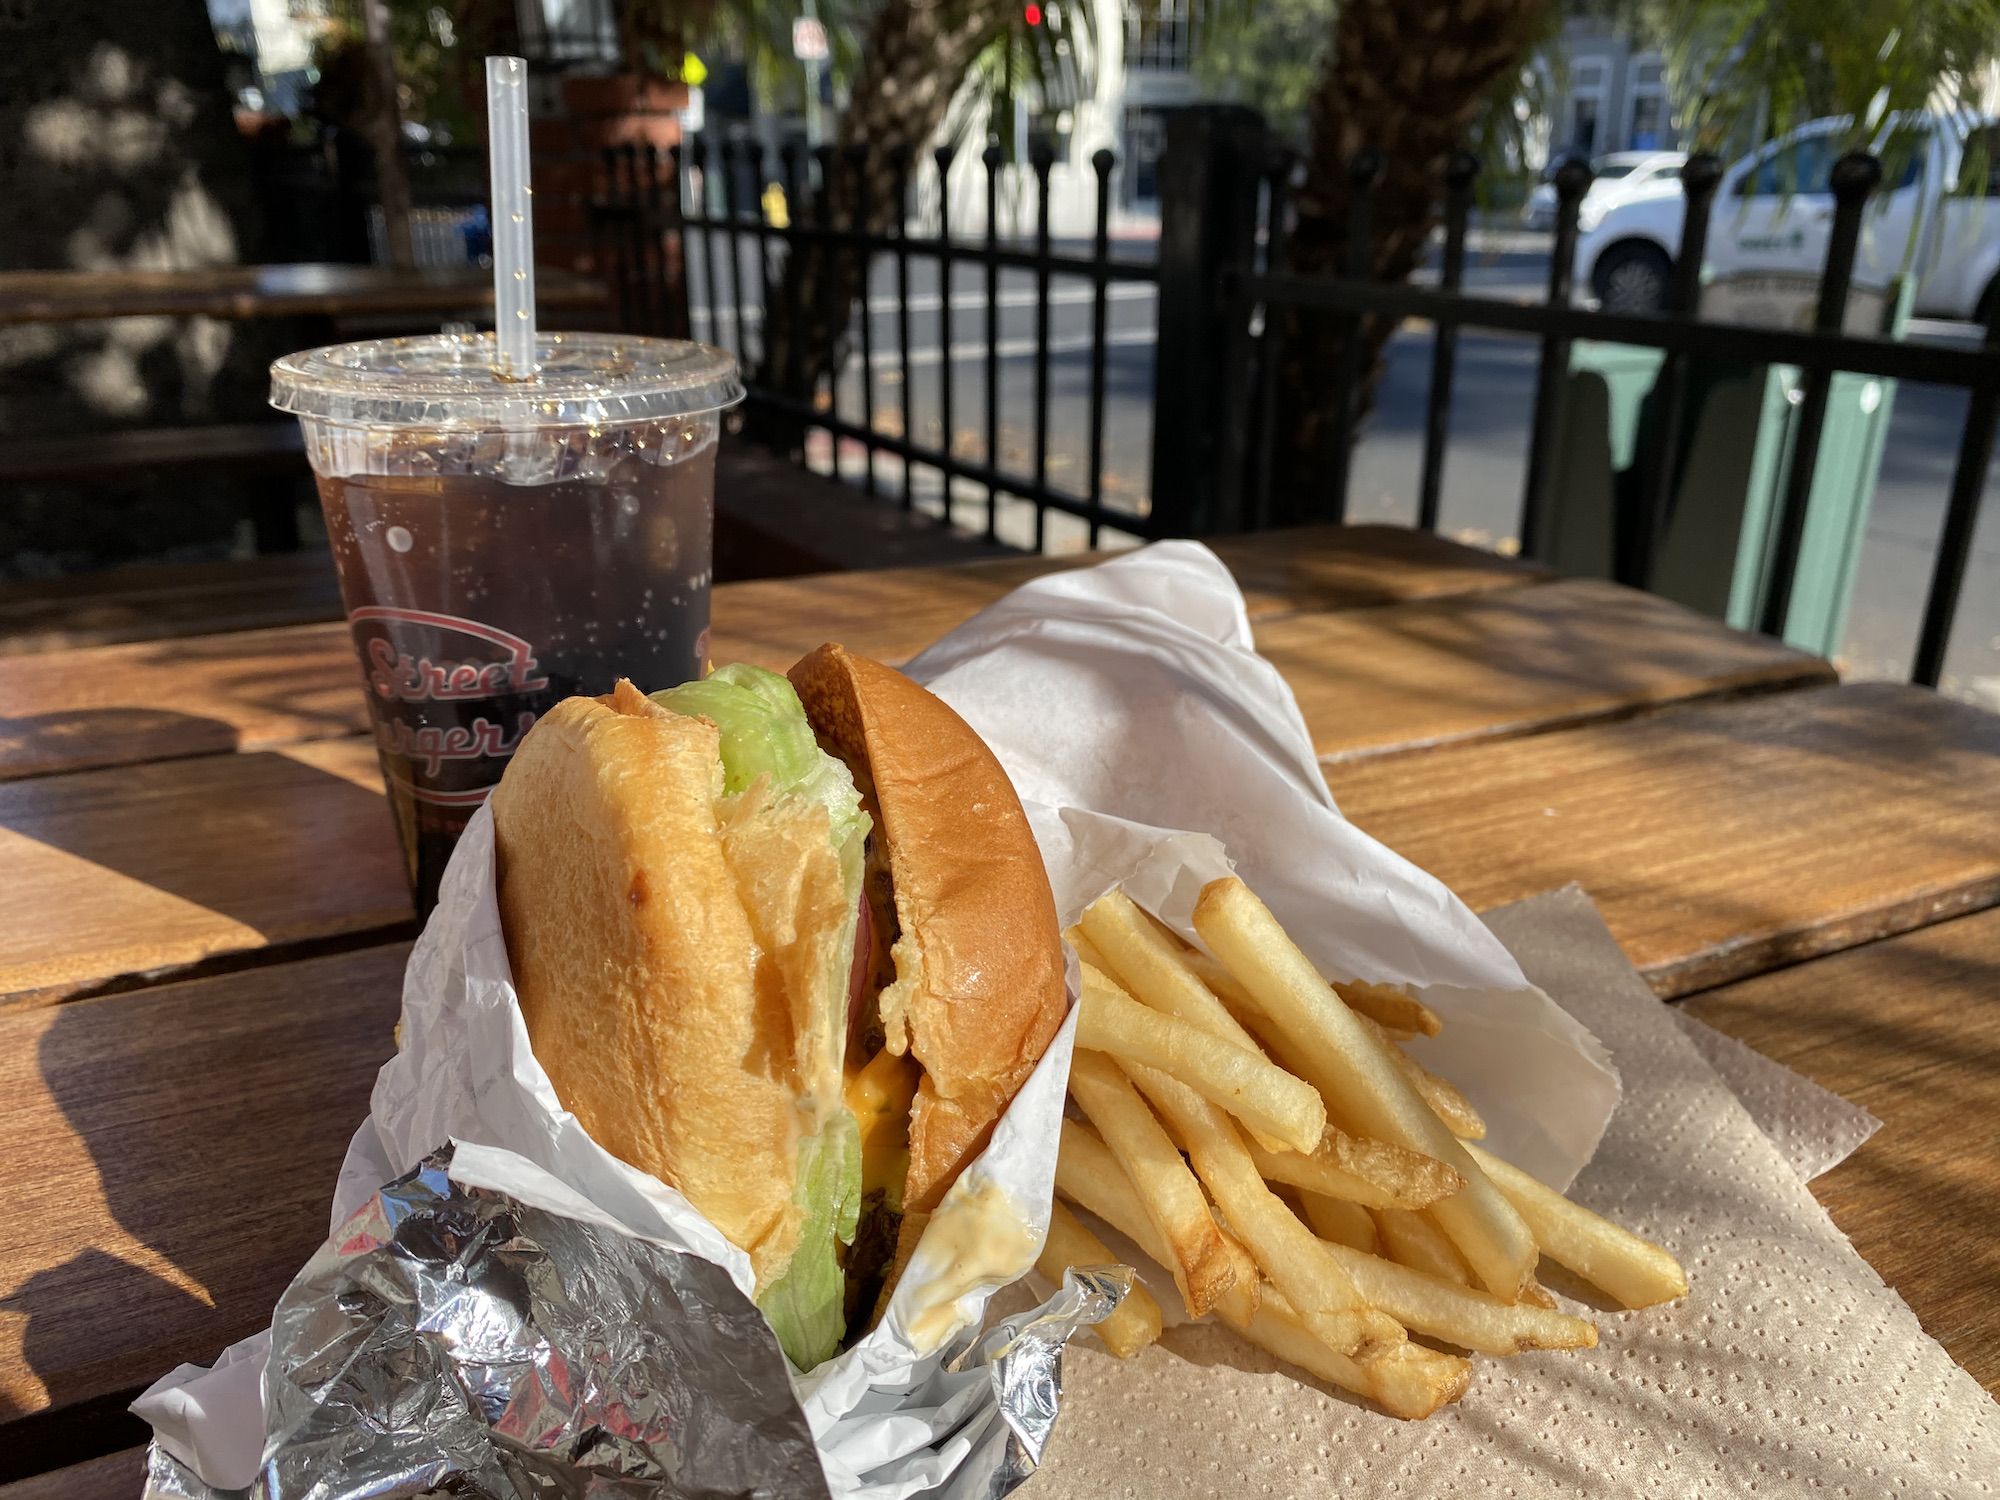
x: 513, y: 217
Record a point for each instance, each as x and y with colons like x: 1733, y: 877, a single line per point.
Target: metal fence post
x: 1572, y: 181
x: 1209, y: 179
x: 1853, y: 178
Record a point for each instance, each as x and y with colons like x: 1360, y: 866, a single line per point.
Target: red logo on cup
x: 439, y: 684
x: 420, y: 679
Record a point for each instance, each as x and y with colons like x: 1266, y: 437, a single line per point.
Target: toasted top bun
x: 979, y: 990
x: 634, y: 958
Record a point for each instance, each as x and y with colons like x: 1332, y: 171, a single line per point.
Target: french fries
x: 1390, y: 1007
x: 1445, y: 1099
x: 1086, y: 951
x: 1146, y: 962
x: 1327, y: 1045
x: 1341, y: 1222
x: 1296, y: 1263
x: 1168, y: 1191
x: 1460, y: 1314
x: 1089, y: 1176
x: 1636, y: 1272
x: 1413, y: 1240
x: 1406, y: 1380
x: 1372, y: 1173
x: 1396, y: 1013
x: 1447, y: 1102
x: 1150, y: 963
x: 1331, y: 1202
x: 1135, y: 1322
x: 1246, y: 1083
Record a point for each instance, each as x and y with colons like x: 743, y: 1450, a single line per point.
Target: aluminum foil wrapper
x: 451, y: 1340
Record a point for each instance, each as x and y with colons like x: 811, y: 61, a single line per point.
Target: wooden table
x: 202, y: 885
x: 304, y: 289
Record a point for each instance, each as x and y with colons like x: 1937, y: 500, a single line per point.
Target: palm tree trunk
x: 1406, y: 77
x: 918, y: 54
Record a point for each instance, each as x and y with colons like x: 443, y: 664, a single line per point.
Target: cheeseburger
x: 788, y: 946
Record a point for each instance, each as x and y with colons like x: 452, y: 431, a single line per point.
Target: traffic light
x: 1032, y: 13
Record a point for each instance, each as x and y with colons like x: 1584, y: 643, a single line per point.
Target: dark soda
x: 477, y: 603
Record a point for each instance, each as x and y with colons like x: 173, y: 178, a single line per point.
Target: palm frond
x: 1736, y: 65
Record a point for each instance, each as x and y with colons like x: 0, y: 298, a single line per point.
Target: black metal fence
x: 1227, y: 288
x: 1677, y: 330
x: 658, y: 228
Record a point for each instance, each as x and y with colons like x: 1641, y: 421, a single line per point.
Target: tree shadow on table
x: 125, y: 1313
x: 280, y: 844
x: 85, y: 739
x: 204, y: 1218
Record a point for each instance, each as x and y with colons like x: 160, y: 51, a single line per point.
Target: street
x: 1485, y: 461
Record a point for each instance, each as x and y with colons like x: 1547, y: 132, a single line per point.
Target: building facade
x: 1608, y: 95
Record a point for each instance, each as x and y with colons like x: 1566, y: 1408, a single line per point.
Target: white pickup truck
x: 1773, y: 212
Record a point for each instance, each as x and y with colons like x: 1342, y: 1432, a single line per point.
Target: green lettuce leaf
x: 806, y: 1306
x: 765, y: 732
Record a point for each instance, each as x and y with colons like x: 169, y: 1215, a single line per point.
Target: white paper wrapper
x: 1130, y: 707
x: 1152, y: 747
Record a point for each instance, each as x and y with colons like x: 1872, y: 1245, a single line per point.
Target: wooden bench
x: 243, y: 446
x: 773, y: 519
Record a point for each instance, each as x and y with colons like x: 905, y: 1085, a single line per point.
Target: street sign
x: 809, y: 40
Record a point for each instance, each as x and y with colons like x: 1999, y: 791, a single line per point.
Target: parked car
x: 1619, y: 175
x: 1773, y: 212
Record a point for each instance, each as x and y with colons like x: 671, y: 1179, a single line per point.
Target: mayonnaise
x: 977, y: 1238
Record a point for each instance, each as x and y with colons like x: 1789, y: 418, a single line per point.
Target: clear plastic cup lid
x: 448, y: 381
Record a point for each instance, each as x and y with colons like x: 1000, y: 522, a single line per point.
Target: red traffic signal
x: 1032, y: 13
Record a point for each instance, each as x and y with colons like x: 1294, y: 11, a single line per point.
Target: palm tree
x: 916, y: 63
x: 1413, y: 79
x: 1407, y: 78
x: 1410, y: 77
x: 917, y: 55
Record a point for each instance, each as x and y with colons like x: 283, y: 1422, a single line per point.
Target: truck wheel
x: 1632, y: 278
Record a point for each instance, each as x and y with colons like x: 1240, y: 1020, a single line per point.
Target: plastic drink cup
x: 503, y: 544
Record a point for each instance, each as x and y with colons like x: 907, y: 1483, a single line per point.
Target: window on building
x: 1583, y: 125
x: 1649, y: 122
x: 1159, y: 35
x: 1145, y: 142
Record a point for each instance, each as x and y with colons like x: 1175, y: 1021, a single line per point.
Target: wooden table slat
x: 157, y: 866
x: 168, y: 1156
x: 1908, y: 1028
x: 1718, y: 839
x: 125, y: 872
x: 151, y: 602
x: 1478, y: 666
x: 116, y: 1476
x: 120, y: 704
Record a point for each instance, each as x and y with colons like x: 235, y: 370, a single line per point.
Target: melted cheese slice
x: 880, y: 1095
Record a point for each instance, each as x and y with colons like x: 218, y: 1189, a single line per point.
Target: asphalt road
x: 1492, y: 397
